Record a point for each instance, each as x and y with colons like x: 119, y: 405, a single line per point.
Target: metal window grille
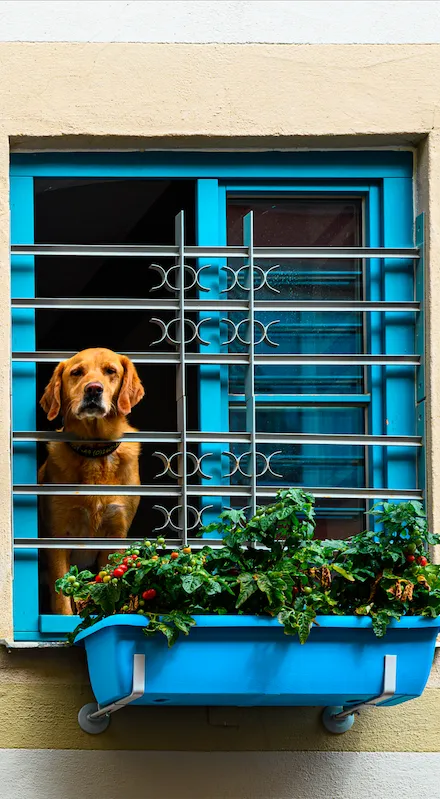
x: 184, y: 464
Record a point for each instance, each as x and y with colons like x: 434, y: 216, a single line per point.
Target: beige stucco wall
x: 138, y: 96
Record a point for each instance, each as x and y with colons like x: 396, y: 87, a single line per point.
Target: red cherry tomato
x: 149, y: 594
x: 422, y: 561
x: 410, y: 558
x: 126, y: 560
x: 138, y: 564
x: 118, y: 572
x: 123, y: 566
x: 98, y: 579
x: 174, y: 555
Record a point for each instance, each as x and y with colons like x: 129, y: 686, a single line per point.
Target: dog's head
x: 95, y: 383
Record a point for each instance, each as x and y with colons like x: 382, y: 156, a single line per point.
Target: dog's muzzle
x: 92, y: 404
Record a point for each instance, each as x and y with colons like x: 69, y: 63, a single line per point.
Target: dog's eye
x: 76, y: 372
x: 109, y: 370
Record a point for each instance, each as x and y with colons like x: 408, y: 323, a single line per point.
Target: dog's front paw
x: 62, y: 605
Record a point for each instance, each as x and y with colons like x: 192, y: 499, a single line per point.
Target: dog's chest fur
x: 90, y: 515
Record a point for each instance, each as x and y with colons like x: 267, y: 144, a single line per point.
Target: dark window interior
x: 108, y: 211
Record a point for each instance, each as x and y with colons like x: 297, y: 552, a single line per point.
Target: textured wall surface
x: 136, y: 96
x: 41, y: 693
x: 279, y: 21
x: 230, y: 775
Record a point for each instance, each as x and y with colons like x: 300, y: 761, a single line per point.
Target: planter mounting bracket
x: 94, y: 719
x: 341, y: 719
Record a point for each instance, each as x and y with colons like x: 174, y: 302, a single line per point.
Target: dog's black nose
x: 93, y: 390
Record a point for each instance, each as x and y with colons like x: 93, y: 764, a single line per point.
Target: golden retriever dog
x: 94, y: 392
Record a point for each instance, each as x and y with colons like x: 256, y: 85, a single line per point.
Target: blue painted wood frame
x: 213, y: 387
x: 334, y: 165
x: 25, y: 512
x: 384, y: 178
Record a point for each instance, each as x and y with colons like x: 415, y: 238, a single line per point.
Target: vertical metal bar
x: 400, y: 410
x: 375, y: 384
x: 249, y: 383
x: 181, y: 379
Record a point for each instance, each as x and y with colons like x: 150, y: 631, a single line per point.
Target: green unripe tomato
x: 71, y: 579
x: 115, y: 580
x: 141, y: 603
x: 124, y: 608
x: 160, y: 540
x: 146, y: 544
x: 411, y: 548
x: 141, y: 612
x: 419, y: 542
x: 76, y: 584
x: 307, y: 590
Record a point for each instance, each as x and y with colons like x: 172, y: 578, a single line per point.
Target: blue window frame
x: 372, y: 400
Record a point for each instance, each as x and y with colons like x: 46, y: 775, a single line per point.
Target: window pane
x: 311, y: 222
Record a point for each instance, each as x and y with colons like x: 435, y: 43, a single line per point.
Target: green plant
x: 272, y: 565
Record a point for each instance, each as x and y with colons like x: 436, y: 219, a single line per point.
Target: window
x: 325, y: 390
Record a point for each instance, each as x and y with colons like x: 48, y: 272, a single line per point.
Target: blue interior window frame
x: 385, y: 181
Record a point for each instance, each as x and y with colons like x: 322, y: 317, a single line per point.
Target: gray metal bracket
x: 340, y: 719
x: 94, y: 719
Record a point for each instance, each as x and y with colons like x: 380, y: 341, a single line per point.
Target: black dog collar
x: 94, y: 451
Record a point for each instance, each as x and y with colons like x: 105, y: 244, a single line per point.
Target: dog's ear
x: 51, y: 399
x: 132, y: 390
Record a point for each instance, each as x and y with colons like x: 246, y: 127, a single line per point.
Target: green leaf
x: 248, y: 586
x: 305, y: 620
x: 343, y: 572
x: 106, y: 595
x: 212, y: 587
x: 183, y: 621
x: 171, y: 633
x: 272, y: 585
x: 380, y: 624
x: 85, y: 575
x: 191, y: 583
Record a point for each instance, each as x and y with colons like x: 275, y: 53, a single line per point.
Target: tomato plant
x: 270, y: 564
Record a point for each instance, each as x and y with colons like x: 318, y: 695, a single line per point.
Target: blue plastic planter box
x: 248, y: 660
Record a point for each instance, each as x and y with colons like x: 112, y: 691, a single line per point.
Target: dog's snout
x: 93, y: 390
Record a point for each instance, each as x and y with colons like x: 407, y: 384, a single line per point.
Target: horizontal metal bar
x: 70, y: 489
x: 98, y: 250
x: 293, y: 400
x: 194, y: 358
x: 65, y: 489
x: 340, y: 440
x: 170, y: 251
x: 345, y: 306
x: 95, y: 303
x: 266, y: 306
x: 142, y: 437
x: 109, y: 544
x: 237, y: 437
